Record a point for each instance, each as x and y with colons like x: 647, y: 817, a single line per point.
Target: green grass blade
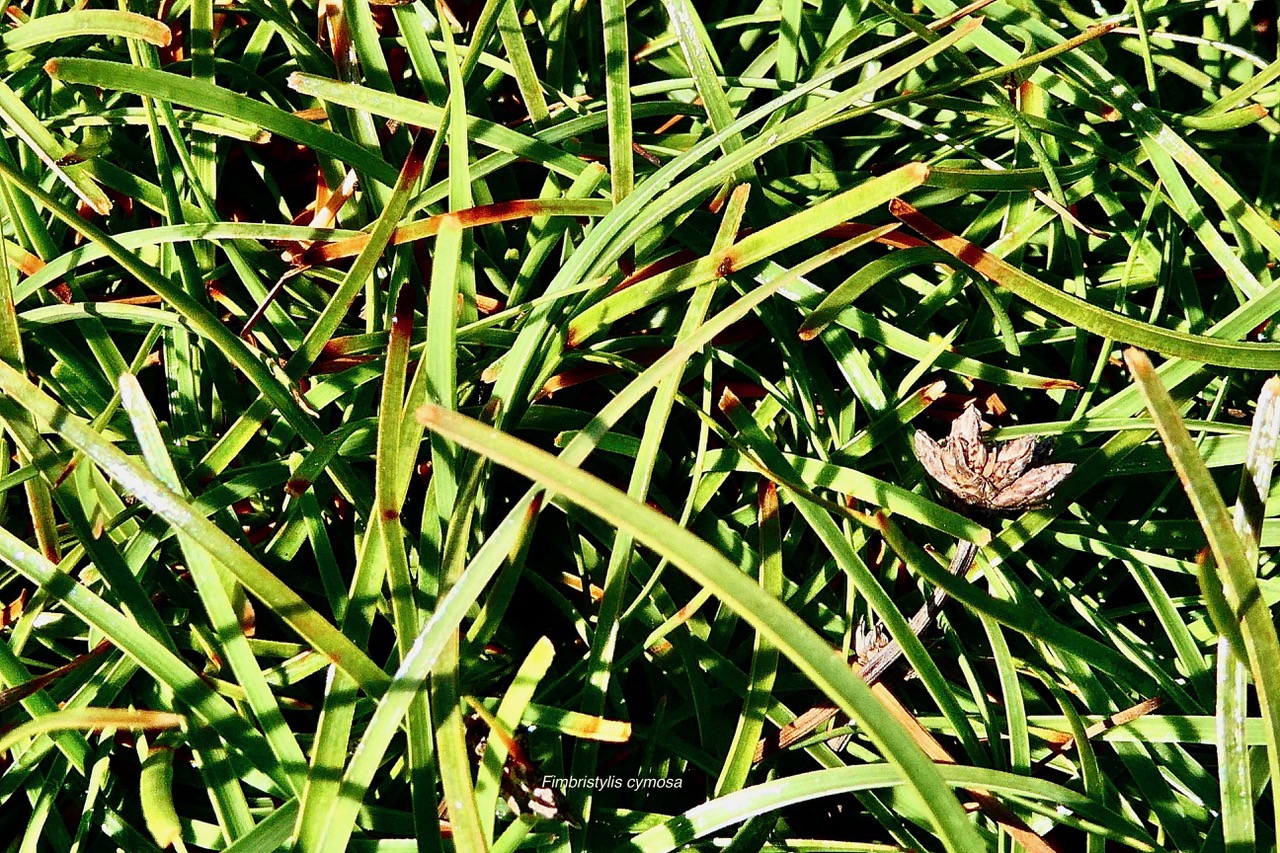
x: 1076, y: 312
x: 1238, y: 575
x: 751, y: 249
x: 91, y: 719
x: 86, y: 22
x: 200, y: 95
x: 622, y: 172
x: 431, y: 117
x: 155, y: 795
x: 764, y: 660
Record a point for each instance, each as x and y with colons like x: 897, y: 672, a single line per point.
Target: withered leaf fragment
x: 1008, y: 476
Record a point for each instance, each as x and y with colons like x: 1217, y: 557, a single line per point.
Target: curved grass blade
x: 708, y: 567
x: 431, y: 117
x: 1058, y: 802
x: 90, y: 719
x: 204, y: 96
x: 86, y: 22
x: 1076, y: 312
x: 155, y: 795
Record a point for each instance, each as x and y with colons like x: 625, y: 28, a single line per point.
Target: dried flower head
x: 1008, y: 476
x: 868, y: 640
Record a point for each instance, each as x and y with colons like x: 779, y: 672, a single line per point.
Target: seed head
x: 1008, y: 476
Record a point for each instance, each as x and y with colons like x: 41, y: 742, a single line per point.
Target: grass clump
x: 481, y: 425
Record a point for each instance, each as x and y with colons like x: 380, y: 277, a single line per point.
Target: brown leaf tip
x: 296, y: 486
x: 918, y: 171
x: 1136, y: 360
x: 933, y: 393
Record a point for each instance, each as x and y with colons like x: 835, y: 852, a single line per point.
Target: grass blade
x: 1238, y: 574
